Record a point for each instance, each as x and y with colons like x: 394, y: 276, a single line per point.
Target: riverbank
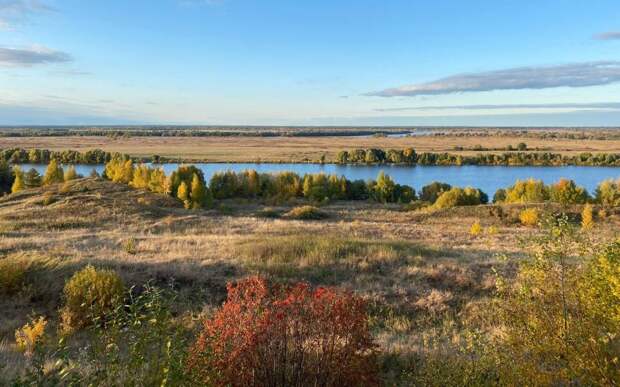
x: 300, y: 149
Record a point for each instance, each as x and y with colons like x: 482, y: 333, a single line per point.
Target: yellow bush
x: 475, y: 228
x: 28, y: 337
x: 492, y: 230
x: 529, y: 217
x: 90, y: 294
x: 587, y: 217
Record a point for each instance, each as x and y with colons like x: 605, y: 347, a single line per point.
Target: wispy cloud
x: 569, y: 75
x: 15, y: 57
x: 569, y: 106
x: 17, y: 11
x: 610, y: 35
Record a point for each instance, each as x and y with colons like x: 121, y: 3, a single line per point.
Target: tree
x: 6, y: 176
x: 587, y: 217
x: 431, y: 192
x: 70, y: 174
x: 183, y: 194
x: 32, y: 178
x: 385, y: 189
x: 53, y: 174
x: 18, y: 183
x: 198, y: 193
x: 566, y: 192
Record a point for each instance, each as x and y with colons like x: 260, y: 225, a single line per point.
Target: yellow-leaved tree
x: 183, y: 194
x: 18, y: 183
x: 54, y: 173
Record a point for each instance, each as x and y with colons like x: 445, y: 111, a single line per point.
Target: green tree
x: 53, y: 174
x: 198, y: 194
x: 6, y: 176
x: 384, y: 189
x: 32, y: 178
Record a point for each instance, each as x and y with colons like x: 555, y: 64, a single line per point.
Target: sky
x: 303, y: 63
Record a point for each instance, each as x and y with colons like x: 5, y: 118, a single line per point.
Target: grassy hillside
x: 425, y: 276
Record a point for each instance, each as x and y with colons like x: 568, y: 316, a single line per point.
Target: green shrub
x: 89, y: 295
x: 306, y: 213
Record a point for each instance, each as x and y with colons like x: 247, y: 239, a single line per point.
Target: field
x: 299, y: 149
x: 424, y: 275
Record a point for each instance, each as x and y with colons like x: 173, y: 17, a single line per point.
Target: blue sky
x: 236, y: 62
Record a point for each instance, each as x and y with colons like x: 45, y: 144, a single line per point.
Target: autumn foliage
x: 268, y: 334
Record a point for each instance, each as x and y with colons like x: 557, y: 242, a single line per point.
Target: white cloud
x: 568, y: 106
x: 611, y: 35
x: 15, y: 57
x: 17, y: 11
x: 569, y: 75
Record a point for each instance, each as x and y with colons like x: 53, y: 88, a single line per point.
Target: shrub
x: 608, y: 193
x: 431, y: 192
x: 566, y: 192
x: 587, y: 217
x: 306, y: 213
x: 529, y: 217
x: 129, y: 246
x: 561, y: 317
x: 30, y: 336
x: 285, y: 335
x: 13, y: 270
x: 492, y: 230
x: 89, y: 295
x: 475, y: 228
x: 460, y: 197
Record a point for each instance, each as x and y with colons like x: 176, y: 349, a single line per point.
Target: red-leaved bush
x: 268, y: 335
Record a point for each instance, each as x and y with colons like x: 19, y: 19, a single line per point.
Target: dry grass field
x: 294, y: 149
x: 424, y: 275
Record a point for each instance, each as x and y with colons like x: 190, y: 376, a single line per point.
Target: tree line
x: 410, y: 157
x: 44, y: 156
x: 188, y: 184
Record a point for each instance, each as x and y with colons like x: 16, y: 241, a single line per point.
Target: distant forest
x: 590, y: 133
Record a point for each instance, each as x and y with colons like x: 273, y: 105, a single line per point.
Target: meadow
x: 304, y: 149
